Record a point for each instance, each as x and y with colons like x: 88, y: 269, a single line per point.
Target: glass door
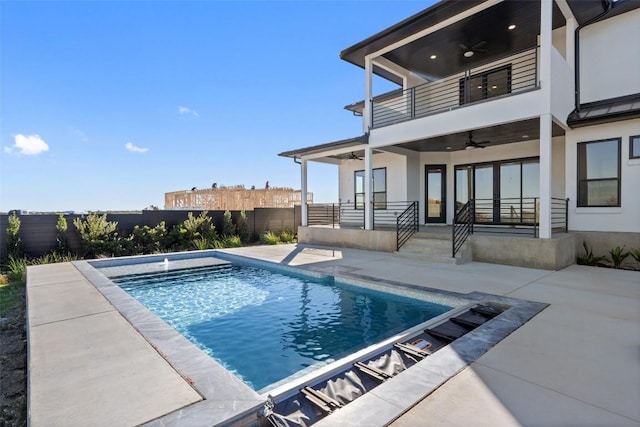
x: 435, y: 197
x: 484, y: 191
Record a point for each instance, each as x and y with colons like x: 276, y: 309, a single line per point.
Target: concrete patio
x: 575, y: 363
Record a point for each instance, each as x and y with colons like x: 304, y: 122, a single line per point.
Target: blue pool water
x: 266, y: 326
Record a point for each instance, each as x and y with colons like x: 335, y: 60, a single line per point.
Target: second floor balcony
x: 511, y: 75
x: 458, y: 54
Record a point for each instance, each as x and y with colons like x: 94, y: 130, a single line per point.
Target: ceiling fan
x: 352, y: 156
x: 469, y: 49
x: 471, y: 144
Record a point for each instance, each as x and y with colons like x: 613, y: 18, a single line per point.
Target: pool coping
x: 228, y: 400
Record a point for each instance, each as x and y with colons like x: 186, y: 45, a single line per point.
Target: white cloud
x: 186, y: 110
x: 29, y: 145
x: 134, y: 149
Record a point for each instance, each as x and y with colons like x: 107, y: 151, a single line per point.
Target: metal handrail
x: 462, y: 226
x: 559, y: 216
x: 406, y: 224
x: 448, y: 93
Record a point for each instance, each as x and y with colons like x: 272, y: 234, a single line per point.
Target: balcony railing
x: 513, y: 74
x: 349, y: 215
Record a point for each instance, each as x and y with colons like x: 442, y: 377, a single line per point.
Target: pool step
x: 327, y: 396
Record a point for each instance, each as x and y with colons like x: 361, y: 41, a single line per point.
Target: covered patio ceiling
x: 488, y: 31
x: 508, y: 133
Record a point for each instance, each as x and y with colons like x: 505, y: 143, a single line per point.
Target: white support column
x: 303, y: 191
x: 368, y: 97
x: 544, y: 231
x: 546, y: 11
x: 368, y: 189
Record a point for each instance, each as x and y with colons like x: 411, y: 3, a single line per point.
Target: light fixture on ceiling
x: 512, y: 27
x: 448, y: 148
x: 468, y: 54
x: 525, y: 136
x: 494, y: 87
x: 433, y: 57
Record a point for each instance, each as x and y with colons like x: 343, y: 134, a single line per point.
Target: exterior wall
x: 373, y: 240
x: 562, y: 87
x: 625, y: 218
x: 609, y: 58
x: 396, y: 176
x: 602, y: 242
x: 558, y: 37
x: 547, y: 254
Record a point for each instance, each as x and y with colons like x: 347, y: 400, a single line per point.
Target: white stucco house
x: 517, y: 116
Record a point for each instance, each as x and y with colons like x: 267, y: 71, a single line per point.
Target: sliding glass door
x: 505, y: 192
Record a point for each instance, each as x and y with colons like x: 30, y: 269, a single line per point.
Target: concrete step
x: 435, y: 258
x: 426, y: 249
x: 423, y: 242
x: 432, y: 235
x: 432, y: 247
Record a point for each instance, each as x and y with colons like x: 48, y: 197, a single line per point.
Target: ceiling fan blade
x: 463, y: 46
x: 479, y: 45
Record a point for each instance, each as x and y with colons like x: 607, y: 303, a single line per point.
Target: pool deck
x: 575, y: 363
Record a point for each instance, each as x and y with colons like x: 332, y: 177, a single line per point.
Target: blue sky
x: 107, y: 105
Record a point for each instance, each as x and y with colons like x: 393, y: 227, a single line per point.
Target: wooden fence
x: 38, y: 231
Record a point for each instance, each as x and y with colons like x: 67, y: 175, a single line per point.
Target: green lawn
x: 9, y: 296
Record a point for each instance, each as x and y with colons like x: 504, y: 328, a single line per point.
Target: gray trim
x: 605, y: 111
x: 344, y: 143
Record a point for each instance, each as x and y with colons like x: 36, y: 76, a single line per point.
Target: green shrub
x: 14, y: 243
x: 98, y: 236
x: 227, y: 224
x: 17, y: 267
x: 202, y: 244
x: 183, y: 235
x: 269, y: 238
x: 589, y: 258
x: 148, y: 240
x: 243, y: 228
x: 287, y: 236
x: 61, y: 234
x: 231, y: 242
x: 53, y: 257
x: 618, y: 256
x: 635, y: 254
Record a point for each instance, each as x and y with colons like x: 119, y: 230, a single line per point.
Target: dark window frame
x: 464, y: 84
x: 632, y: 154
x: 376, y: 205
x: 581, y: 203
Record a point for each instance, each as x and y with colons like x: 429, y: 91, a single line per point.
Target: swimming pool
x: 266, y: 326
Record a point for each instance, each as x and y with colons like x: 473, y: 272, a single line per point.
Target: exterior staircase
x: 433, y: 247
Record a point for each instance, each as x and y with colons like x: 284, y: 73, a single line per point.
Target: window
x: 599, y: 173
x: 379, y: 188
x: 486, y: 85
x: 634, y: 147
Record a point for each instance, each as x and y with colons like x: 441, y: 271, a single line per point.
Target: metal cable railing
x: 454, y: 91
x: 406, y: 224
x: 462, y: 227
x: 559, y: 216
